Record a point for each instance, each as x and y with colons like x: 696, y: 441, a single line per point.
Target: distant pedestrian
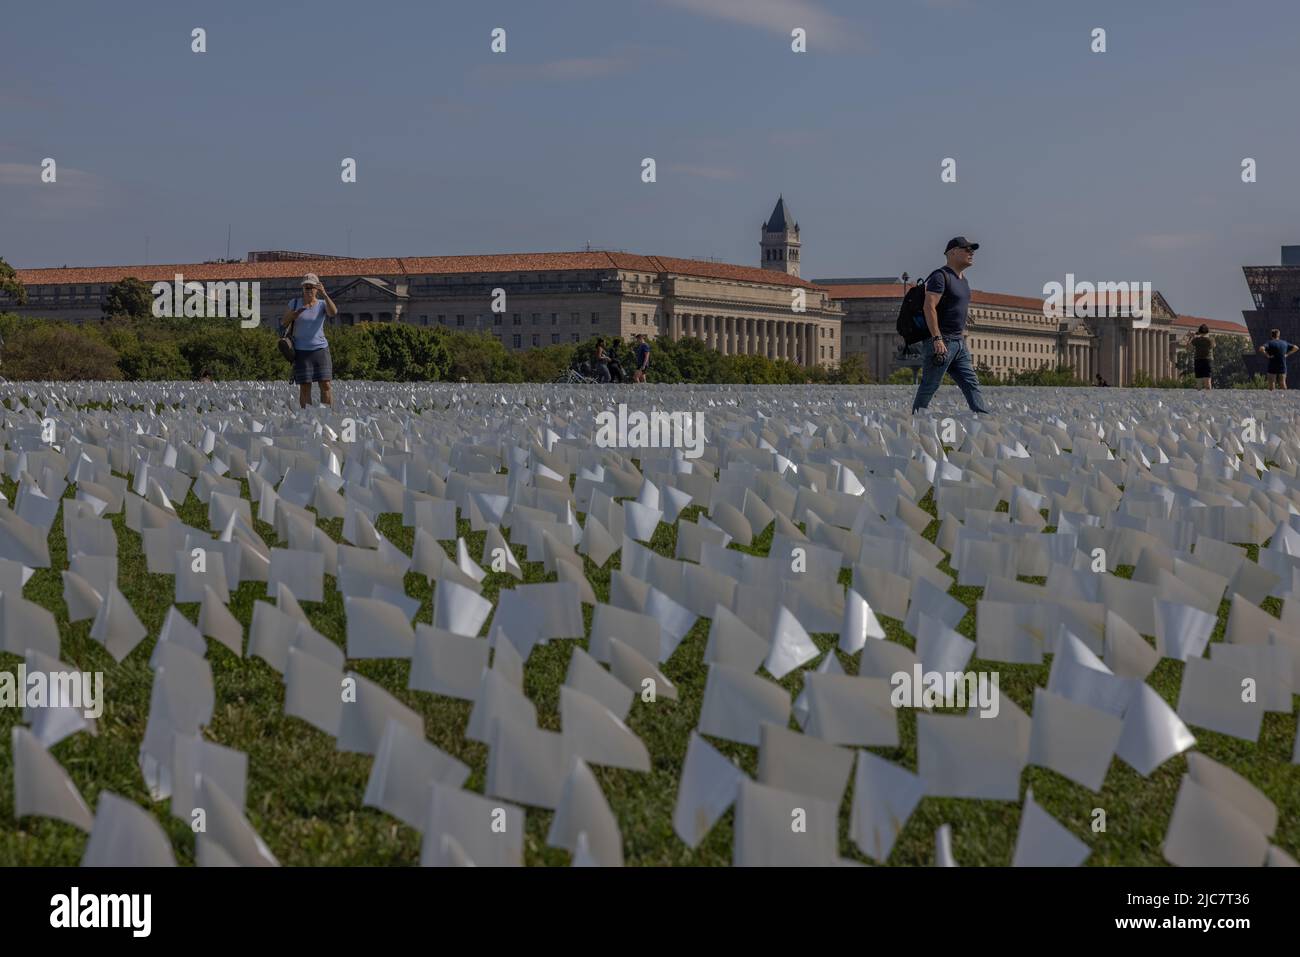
x: 1202, y: 348
x: 1277, y: 349
x: 602, y: 361
x: 641, y: 352
x: 947, y: 305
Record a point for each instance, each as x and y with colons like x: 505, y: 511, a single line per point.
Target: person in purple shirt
x: 311, y: 361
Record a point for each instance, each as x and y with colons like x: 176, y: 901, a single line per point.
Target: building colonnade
x: 792, y: 339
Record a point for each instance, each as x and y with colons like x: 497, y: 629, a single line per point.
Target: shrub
x: 227, y: 351
x: 56, y: 350
x: 478, y: 357
x: 152, y: 360
x: 407, y: 353
x: 545, y: 364
x: 353, y: 353
x: 852, y: 370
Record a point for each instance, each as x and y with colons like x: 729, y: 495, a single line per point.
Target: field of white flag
x: 448, y: 625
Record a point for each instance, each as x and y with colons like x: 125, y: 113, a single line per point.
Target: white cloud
x: 825, y: 29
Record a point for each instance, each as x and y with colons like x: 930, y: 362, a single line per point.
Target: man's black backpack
x: 911, y: 315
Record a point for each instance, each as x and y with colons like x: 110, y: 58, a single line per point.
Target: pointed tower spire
x: 780, y: 242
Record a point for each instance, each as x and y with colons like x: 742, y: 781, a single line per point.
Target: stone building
x: 549, y: 298
x: 1011, y: 334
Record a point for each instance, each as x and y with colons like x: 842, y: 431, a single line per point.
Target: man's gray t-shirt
x: 954, y: 303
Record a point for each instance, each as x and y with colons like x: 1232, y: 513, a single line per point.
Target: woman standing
x: 311, y: 360
x: 1202, y: 347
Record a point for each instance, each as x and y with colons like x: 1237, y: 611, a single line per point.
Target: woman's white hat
x: 311, y: 279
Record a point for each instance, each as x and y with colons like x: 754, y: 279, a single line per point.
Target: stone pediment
x: 367, y: 290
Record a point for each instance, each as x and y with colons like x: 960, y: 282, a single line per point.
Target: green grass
x: 304, y: 798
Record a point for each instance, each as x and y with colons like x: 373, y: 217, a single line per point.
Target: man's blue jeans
x: 958, y: 365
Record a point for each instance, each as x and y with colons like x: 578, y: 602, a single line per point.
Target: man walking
x: 947, y: 303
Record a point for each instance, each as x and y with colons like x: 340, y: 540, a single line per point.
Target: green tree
x: 227, y: 351
x: 1046, y: 375
x: 353, y: 354
x: 408, y: 353
x: 686, y: 360
x: 129, y: 297
x: 11, y: 285
x: 852, y: 370
x: 152, y: 360
x: 58, y: 351
x: 1228, y: 362
x: 545, y: 364
x: 478, y: 357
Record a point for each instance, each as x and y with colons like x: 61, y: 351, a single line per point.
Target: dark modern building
x: 1276, y: 291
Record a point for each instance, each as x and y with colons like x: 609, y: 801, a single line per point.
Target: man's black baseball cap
x: 962, y: 242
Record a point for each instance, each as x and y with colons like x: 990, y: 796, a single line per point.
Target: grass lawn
x: 304, y: 798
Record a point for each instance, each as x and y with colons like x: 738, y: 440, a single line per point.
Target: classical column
x: 792, y: 331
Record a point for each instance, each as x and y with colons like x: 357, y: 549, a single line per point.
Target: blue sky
x: 1123, y: 165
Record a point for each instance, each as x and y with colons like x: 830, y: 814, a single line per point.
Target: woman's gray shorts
x: 314, y: 366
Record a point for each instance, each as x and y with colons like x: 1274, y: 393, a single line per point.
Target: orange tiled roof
x: 886, y: 290
x: 1216, y: 325
x: 413, y: 265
